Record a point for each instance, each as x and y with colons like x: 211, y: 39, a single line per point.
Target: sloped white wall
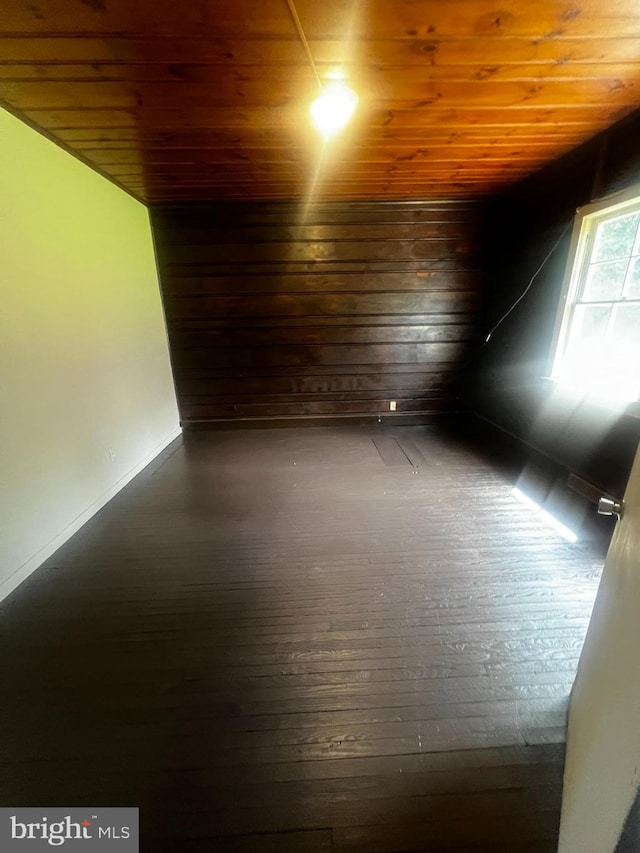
x: 86, y: 393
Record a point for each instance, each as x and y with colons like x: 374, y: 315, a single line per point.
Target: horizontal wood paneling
x: 350, y: 335
x: 209, y: 100
x: 349, y: 280
x: 317, y: 251
x: 423, y: 214
x: 338, y: 314
x: 305, y: 305
x: 452, y: 229
x: 351, y: 386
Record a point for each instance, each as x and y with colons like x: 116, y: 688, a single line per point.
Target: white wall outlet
x: 392, y: 406
x: 112, y: 454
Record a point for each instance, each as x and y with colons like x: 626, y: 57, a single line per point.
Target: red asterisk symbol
x: 85, y: 822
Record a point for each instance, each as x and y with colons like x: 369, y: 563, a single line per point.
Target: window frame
x: 585, y: 224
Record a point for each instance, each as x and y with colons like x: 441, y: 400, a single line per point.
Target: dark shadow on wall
x: 508, y: 384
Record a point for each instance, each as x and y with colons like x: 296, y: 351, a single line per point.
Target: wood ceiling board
x: 208, y: 99
x: 211, y: 49
x: 288, y: 156
x: 377, y: 80
x: 412, y: 97
x: 377, y: 19
x: 584, y: 117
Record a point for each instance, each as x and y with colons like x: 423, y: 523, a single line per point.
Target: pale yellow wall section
x: 84, y: 362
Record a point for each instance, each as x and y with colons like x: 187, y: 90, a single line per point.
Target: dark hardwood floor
x: 342, y: 640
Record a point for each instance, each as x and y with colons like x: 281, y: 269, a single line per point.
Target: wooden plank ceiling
x: 207, y: 99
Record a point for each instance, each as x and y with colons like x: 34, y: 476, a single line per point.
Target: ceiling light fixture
x: 333, y: 108
x: 336, y: 102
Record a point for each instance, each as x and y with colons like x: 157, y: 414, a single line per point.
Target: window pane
x: 633, y: 284
x: 615, y: 238
x: 605, y: 281
x: 581, y: 361
x: 588, y: 326
x: 626, y: 327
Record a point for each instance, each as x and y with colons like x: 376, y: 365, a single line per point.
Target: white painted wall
x: 84, y: 361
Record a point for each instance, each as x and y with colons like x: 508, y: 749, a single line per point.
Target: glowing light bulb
x: 333, y: 108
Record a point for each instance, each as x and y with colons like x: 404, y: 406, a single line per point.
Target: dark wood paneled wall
x: 277, y: 312
x: 519, y: 229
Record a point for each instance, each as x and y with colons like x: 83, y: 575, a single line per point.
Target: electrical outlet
x: 112, y: 454
x: 392, y: 406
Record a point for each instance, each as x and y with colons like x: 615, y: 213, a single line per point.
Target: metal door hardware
x: 609, y: 506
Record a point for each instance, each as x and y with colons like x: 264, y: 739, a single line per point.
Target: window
x: 598, y: 347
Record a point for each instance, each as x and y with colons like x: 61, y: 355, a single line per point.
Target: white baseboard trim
x: 15, y: 578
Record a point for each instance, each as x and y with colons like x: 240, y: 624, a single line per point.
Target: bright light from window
x: 551, y: 520
x: 604, y: 366
x: 333, y: 108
